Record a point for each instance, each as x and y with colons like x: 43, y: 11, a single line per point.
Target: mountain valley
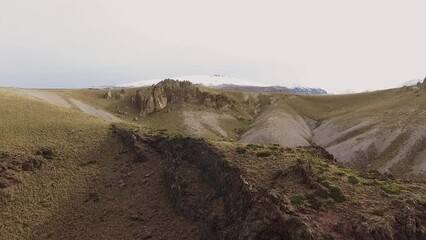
x: 182, y: 161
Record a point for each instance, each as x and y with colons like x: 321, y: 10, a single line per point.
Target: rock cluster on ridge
x: 166, y: 92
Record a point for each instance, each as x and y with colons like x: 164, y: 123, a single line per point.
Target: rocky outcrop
x: 167, y: 92
x: 423, y: 84
x: 225, y: 202
x: 115, y: 95
x: 108, y: 95
x: 205, y: 188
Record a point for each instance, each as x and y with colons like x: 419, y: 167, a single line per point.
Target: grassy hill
x: 66, y: 175
x: 63, y: 173
x: 380, y: 130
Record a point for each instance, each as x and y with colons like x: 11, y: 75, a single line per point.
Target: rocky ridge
x: 172, y: 92
x: 287, y: 198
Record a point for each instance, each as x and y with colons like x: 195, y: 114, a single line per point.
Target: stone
x: 46, y: 152
x: 108, y: 95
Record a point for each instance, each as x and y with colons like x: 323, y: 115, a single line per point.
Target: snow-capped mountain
x: 231, y: 83
x: 411, y: 83
x: 297, y: 90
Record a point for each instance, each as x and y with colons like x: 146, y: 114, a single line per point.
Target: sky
x: 337, y: 45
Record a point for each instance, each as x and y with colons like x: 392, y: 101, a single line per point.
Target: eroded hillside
x: 380, y: 130
x: 67, y: 175
x: 238, y: 191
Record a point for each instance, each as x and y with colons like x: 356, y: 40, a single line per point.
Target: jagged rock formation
x: 116, y: 95
x: 164, y: 93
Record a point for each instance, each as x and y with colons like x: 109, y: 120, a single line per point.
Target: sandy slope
x: 277, y: 127
x: 60, y: 100
x: 383, y: 134
x: 204, y: 124
x: 46, y: 96
x: 92, y: 110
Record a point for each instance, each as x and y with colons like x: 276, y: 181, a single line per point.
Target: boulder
x: 46, y: 153
x: 108, y: 95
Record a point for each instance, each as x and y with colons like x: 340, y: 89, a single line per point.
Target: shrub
x: 353, y: 180
x: 391, y: 189
x: 254, y: 146
x: 315, y: 203
x: 297, y: 200
x: 240, y: 150
x: 263, y: 154
x: 274, y: 148
x: 378, y: 212
x: 336, y: 194
x: 370, y: 182
x: 309, y: 196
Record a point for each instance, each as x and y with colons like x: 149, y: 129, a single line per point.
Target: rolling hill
x: 380, y: 130
x: 183, y: 161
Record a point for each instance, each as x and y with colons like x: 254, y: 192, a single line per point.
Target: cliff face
x: 164, y: 93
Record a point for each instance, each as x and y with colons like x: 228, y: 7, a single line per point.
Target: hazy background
x: 333, y: 44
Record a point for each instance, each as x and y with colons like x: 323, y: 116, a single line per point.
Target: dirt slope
x: 382, y: 130
x: 64, y: 101
x: 275, y: 126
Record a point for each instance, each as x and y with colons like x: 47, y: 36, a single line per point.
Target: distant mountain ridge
x: 231, y: 83
x: 411, y: 83
x: 296, y: 90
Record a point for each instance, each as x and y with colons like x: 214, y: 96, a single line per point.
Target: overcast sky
x: 333, y: 44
